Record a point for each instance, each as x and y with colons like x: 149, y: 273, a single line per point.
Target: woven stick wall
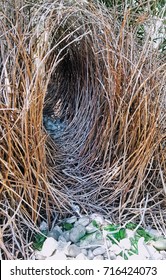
x: 76, y: 61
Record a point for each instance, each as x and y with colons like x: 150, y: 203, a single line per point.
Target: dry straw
x: 75, y: 59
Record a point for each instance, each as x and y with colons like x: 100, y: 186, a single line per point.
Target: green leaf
x: 123, y: 255
x: 95, y: 224
x: 39, y: 240
x: 131, y: 226
x: 111, y: 227
x: 67, y: 226
x: 121, y: 234
x: 142, y: 233
x: 134, y: 246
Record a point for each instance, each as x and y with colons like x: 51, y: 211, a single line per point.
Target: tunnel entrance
x: 97, y: 110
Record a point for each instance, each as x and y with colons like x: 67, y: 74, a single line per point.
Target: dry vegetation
x: 109, y: 88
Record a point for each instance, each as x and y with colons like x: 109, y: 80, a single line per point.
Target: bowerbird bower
x: 73, y: 60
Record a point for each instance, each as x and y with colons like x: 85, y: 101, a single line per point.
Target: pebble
x: 49, y: 246
x: 129, y: 233
x: 142, y: 249
x: 84, y: 221
x: 55, y: 232
x: 43, y: 226
x: 154, y: 232
x: 66, y: 235
x: 125, y: 244
x: 90, y: 255
x: 112, y: 256
x: 39, y: 256
x: 159, y: 244
x: 99, y: 251
x: 76, y: 233
x: 67, y: 244
x: 92, y: 239
x: 119, y: 258
x: 151, y: 249
x: 136, y: 257
x: 106, y: 255
x: 62, y: 238
x: 163, y: 254
x: 63, y: 246
x: 73, y: 250
x: 71, y: 220
x: 55, y: 127
x: 108, y: 243
x: 84, y: 251
x: 153, y: 253
x: 57, y: 256
x: 49, y: 125
x: 98, y: 218
x: 81, y: 256
x: 157, y: 256
x: 98, y: 257
x: 91, y: 228
x: 116, y: 249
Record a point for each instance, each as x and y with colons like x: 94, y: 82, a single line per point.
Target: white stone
x: 125, y: 244
x: 130, y: 233
x: 98, y: 257
x: 63, y: 246
x: 157, y: 256
x: 76, y: 233
x: 73, y: 250
x: 154, y: 232
x: 49, y: 246
x: 57, y: 256
x: 94, y: 239
x: 119, y: 258
x: 90, y: 255
x: 71, y: 220
x: 38, y: 256
x: 159, y: 244
x: 61, y: 238
x: 137, y: 257
x: 154, y: 254
x: 99, y: 251
x: 112, y: 256
x: 81, y: 256
x: 142, y: 249
x: 108, y: 243
x: 66, y: 235
x: 91, y: 228
x: 163, y: 254
x: 43, y: 226
x: 106, y: 255
x: 98, y: 218
x: 55, y: 232
x: 116, y: 249
x: 84, y: 221
x: 84, y: 251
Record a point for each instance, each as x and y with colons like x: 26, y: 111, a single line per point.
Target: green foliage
x: 39, y: 240
x: 67, y: 226
x: 116, y: 232
x: 95, y: 224
x: 140, y: 232
x: 111, y: 227
x: 131, y: 226
x: 143, y: 233
x: 154, y: 7
x: 139, y: 13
